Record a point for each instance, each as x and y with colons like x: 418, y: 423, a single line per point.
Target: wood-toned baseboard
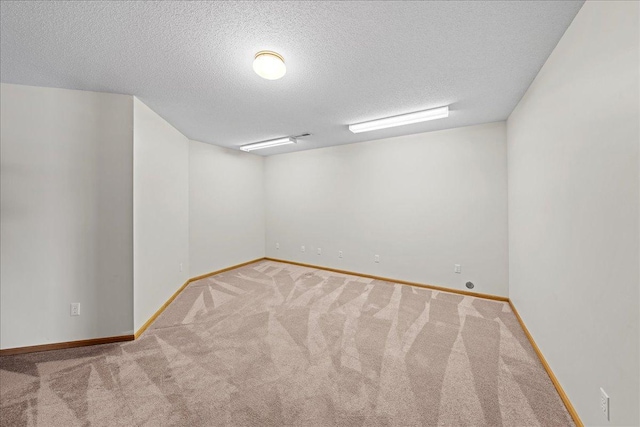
x: 160, y: 310
x: 63, y: 345
x: 193, y: 279
x: 402, y: 282
x: 565, y: 399
x: 554, y: 380
x: 107, y: 340
x: 213, y: 273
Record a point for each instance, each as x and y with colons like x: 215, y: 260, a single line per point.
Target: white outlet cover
x: 604, y: 403
x: 319, y: 251
x: 75, y: 309
x: 339, y: 254
x: 457, y: 268
x: 376, y: 258
x: 277, y: 245
x: 302, y: 248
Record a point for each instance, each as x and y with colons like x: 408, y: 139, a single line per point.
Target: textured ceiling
x: 347, y: 62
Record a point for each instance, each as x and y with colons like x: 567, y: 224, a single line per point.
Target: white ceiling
x: 347, y: 62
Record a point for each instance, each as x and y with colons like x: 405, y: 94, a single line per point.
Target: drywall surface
x: 423, y: 203
x: 160, y: 211
x: 573, y: 211
x: 347, y: 61
x: 66, y: 215
x: 226, y: 207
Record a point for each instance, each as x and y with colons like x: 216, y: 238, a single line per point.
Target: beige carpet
x: 273, y: 344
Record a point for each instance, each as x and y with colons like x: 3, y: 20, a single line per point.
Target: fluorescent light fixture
x: 404, y: 119
x: 269, y: 144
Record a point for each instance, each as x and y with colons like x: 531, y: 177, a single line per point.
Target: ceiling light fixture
x: 401, y: 120
x: 269, y: 65
x: 269, y: 144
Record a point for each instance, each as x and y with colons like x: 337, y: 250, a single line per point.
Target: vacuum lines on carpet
x: 272, y: 344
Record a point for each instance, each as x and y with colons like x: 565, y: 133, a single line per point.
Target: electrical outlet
x: 604, y: 403
x: 75, y: 309
x: 180, y: 266
x: 277, y: 245
x: 339, y: 254
x: 376, y: 258
x: 319, y: 251
x: 302, y: 249
x: 457, y: 269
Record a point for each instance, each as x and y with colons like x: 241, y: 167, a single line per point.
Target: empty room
x: 320, y: 213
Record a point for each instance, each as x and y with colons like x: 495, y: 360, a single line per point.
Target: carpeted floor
x: 272, y: 344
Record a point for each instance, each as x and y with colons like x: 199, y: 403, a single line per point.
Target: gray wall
x: 101, y: 201
x: 160, y: 211
x: 226, y: 207
x: 66, y: 215
x: 422, y: 202
x: 573, y: 211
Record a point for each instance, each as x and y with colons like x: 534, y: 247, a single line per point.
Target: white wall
x: 160, y: 211
x: 98, y: 193
x: 66, y: 215
x: 573, y: 211
x: 422, y: 202
x: 226, y: 207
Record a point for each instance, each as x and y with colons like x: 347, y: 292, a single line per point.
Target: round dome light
x: 269, y: 65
